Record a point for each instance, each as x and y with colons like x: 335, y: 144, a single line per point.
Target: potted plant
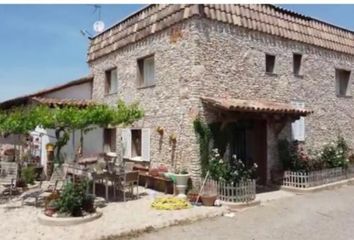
x: 181, y: 181
x: 192, y: 195
x: 51, y: 208
x: 208, y: 199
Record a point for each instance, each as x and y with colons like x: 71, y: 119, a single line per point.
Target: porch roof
x: 255, y: 106
x: 56, y: 102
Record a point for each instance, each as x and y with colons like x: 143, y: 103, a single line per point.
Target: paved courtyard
x: 327, y: 215
x: 119, y: 218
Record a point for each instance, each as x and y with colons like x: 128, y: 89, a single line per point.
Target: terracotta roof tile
x: 25, y: 98
x: 255, y: 106
x: 63, y: 102
x: 264, y: 18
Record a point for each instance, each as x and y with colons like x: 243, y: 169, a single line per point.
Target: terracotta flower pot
x: 208, y: 200
x: 49, y: 211
x: 192, y: 197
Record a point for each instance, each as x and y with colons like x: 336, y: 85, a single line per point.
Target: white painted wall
x: 93, y: 140
x: 93, y: 143
x: 81, y: 91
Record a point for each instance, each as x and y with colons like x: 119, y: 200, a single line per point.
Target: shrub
x: 28, y: 175
x: 336, y: 154
x: 234, y: 171
x: 88, y: 203
x: 73, y: 198
x: 293, y: 157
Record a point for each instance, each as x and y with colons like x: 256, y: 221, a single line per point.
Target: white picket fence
x: 317, y: 178
x: 240, y: 192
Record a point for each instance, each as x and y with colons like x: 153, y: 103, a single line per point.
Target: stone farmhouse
x: 259, y: 72
x: 260, y: 68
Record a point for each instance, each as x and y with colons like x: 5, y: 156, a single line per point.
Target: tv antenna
x: 98, y: 26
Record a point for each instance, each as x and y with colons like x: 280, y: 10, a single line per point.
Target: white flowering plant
x: 336, y: 154
x: 233, y: 171
x: 294, y: 157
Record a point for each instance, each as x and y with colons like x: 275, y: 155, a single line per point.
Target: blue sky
x: 41, y: 45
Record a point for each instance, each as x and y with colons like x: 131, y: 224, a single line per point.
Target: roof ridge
x: 78, y: 81
x: 278, y: 8
x: 297, y: 14
x: 265, y: 18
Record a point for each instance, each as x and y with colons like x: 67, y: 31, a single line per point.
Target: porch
x: 250, y: 129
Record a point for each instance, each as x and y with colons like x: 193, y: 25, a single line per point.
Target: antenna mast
x: 98, y: 26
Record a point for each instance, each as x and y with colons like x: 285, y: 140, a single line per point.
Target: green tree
x: 65, y: 119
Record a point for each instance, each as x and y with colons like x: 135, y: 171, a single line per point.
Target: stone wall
x: 211, y: 59
x: 167, y: 104
x: 233, y: 60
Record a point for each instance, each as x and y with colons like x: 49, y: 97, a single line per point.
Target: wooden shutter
x: 127, y: 143
x: 145, y: 144
x: 298, y: 127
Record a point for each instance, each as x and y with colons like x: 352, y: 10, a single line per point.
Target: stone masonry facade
x: 209, y: 58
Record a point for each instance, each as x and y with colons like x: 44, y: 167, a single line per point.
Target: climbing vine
x: 204, y: 136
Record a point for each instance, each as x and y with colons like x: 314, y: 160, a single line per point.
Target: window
x: 136, y: 144
x: 111, y: 81
x: 109, y: 139
x: 297, y: 64
x: 270, y: 63
x: 146, y: 71
x: 298, y: 127
x: 342, y: 83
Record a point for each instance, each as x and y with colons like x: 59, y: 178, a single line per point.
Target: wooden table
x: 76, y: 171
x: 105, y: 178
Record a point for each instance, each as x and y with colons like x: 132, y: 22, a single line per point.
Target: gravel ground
x: 327, y: 215
x: 118, y: 218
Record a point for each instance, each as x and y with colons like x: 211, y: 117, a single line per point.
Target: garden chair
x: 130, y: 179
x: 57, y: 180
x: 56, y: 183
x: 8, y: 177
x: 128, y: 166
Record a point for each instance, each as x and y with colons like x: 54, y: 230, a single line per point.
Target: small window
x: 146, y: 71
x: 270, y: 63
x: 342, y: 83
x: 136, y: 144
x: 109, y: 138
x: 297, y: 64
x: 111, y: 81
